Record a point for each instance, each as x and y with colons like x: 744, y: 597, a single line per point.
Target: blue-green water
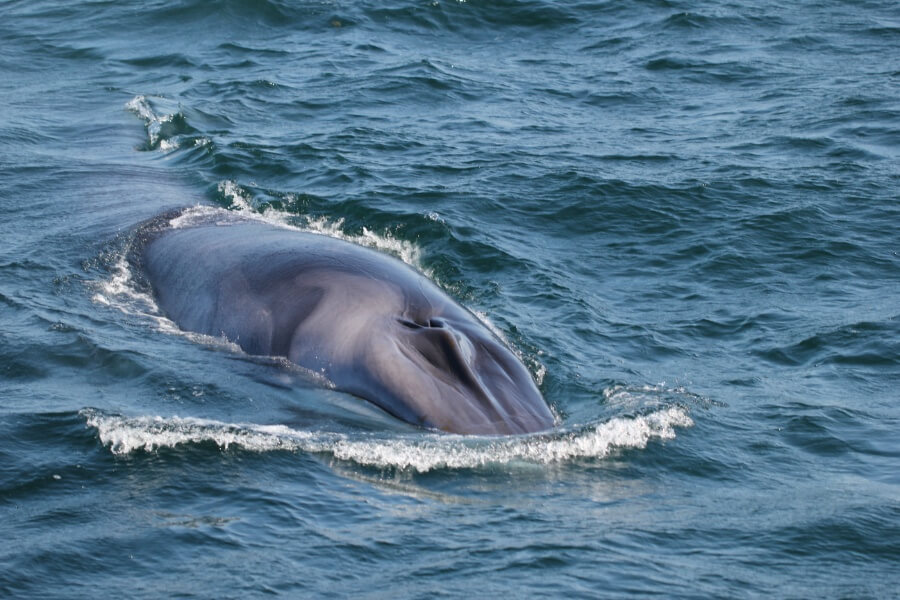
x: 683, y: 216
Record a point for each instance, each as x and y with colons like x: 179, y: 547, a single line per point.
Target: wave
x: 419, y: 452
x: 862, y: 344
x: 169, y: 132
x: 165, y: 132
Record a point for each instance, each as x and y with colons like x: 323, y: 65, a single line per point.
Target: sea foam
x: 421, y: 453
x: 242, y: 201
x: 154, y: 123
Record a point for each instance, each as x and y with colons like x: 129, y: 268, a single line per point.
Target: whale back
x: 372, y: 325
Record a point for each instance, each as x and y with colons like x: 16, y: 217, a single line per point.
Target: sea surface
x: 684, y: 217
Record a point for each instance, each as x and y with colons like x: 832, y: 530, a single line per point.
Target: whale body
x: 373, y: 326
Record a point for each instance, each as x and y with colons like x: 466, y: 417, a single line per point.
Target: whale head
x: 451, y: 373
x: 370, y: 324
x: 409, y: 349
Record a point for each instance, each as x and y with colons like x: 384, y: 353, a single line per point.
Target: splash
x: 626, y: 398
x: 241, y: 200
x: 120, y: 290
x: 420, y: 453
x: 155, y: 124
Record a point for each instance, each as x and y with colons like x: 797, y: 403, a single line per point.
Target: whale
x: 371, y: 325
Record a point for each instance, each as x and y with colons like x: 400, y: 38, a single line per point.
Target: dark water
x: 683, y: 216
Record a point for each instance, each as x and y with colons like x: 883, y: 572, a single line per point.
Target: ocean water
x: 683, y: 216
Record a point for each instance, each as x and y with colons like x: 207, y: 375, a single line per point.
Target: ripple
x: 869, y: 344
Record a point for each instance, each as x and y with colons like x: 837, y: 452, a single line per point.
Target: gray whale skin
x: 372, y: 325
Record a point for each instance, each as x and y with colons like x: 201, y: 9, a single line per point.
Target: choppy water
x: 683, y: 216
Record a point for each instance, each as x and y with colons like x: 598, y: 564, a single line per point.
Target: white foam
x: 631, y: 396
x: 540, y: 371
x: 241, y: 200
x: 422, y: 452
x: 120, y: 291
x: 140, y: 106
